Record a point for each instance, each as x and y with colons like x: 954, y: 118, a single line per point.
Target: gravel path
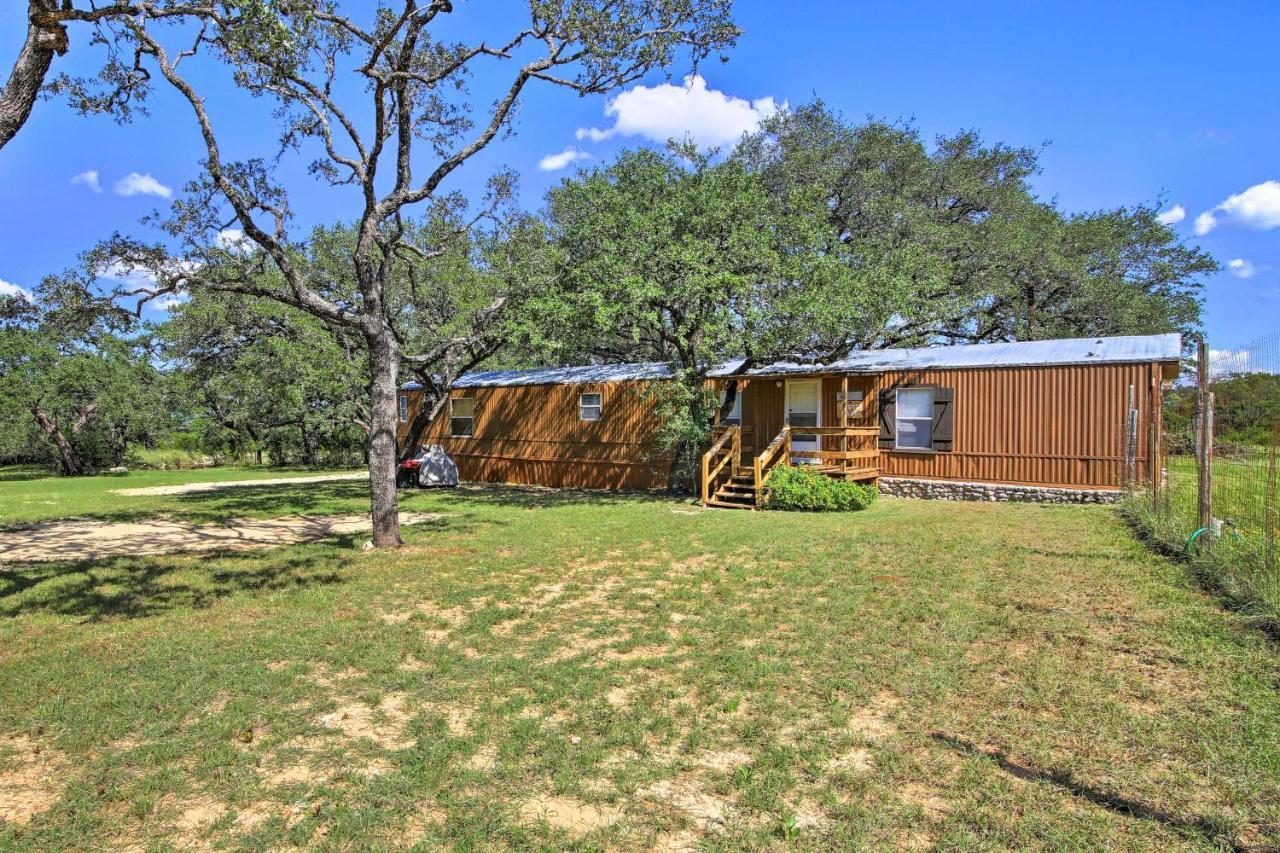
x: 232, y: 484
x: 95, y: 540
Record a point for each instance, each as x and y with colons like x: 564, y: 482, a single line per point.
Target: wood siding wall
x: 532, y: 434
x: 1046, y: 426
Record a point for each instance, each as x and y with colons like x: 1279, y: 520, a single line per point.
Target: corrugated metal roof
x: 1114, y: 350
x: 567, y: 375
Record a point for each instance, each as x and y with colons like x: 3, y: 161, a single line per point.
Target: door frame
x: 786, y: 407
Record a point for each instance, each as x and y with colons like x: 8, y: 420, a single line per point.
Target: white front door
x: 804, y: 409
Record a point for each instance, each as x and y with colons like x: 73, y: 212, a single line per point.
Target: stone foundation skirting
x: 963, y: 490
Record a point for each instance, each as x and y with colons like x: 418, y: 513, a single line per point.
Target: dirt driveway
x: 94, y: 540
x: 188, y: 488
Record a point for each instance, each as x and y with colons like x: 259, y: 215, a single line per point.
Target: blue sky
x: 1139, y: 101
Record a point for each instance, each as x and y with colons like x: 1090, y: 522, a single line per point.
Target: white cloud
x: 1240, y: 268
x: 1173, y: 215
x: 556, y: 162
x: 135, y: 276
x: 233, y: 240
x: 1258, y: 208
x: 1227, y: 362
x: 10, y: 289
x: 131, y: 276
x: 1205, y: 223
x: 136, y: 183
x: 168, y: 302
x: 668, y: 111
x: 90, y: 179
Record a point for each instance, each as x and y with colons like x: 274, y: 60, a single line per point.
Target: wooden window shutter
x: 944, y: 406
x: 888, y: 417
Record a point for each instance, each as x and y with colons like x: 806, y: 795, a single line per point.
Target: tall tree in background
x: 369, y: 91
x: 83, y: 379
x: 259, y: 376
x: 662, y: 257
x: 950, y: 245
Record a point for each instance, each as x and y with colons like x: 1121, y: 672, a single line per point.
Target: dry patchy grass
x: 545, y: 670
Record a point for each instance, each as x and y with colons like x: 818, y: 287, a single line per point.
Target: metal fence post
x: 1269, y: 512
x: 1153, y: 446
x: 1204, y: 448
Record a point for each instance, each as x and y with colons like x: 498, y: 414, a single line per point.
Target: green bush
x: 803, y: 488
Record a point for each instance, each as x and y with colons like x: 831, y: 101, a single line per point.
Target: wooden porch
x: 735, y: 470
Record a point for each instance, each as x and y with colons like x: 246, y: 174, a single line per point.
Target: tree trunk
x: 72, y: 464
x: 308, y: 445
x: 730, y: 397
x: 384, y: 369
x: 29, y: 70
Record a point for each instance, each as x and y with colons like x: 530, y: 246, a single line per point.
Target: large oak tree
x: 385, y: 105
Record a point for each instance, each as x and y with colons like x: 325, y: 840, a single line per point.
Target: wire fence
x: 1215, y: 498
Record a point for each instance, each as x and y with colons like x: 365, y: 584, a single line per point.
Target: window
x: 404, y: 409
x: 462, y: 416
x: 854, y: 408
x: 589, y: 406
x: 734, y: 418
x: 915, y: 418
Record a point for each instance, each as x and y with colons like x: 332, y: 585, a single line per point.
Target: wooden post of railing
x: 759, y: 479
x: 844, y: 423
x: 706, y: 475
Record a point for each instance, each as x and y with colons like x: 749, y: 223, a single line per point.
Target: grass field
x: 556, y: 670
x: 31, y: 494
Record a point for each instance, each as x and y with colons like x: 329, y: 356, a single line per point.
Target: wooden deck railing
x: 844, y: 445
x: 778, y: 449
x: 726, y: 450
x: 856, y: 450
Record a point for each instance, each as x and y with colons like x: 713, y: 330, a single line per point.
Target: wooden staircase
x: 727, y: 483
x: 738, y: 492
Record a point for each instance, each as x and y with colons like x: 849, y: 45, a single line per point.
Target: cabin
x: 1071, y: 420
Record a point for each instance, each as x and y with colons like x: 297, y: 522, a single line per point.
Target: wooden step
x: 719, y: 504
x: 745, y: 498
x: 748, y: 488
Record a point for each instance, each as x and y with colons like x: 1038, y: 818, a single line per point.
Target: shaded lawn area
x: 28, y: 495
x: 560, y: 670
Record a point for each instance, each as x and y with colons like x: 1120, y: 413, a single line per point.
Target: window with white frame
x: 589, y: 406
x: 462, y: 416
x: 404, y: 408
x: 914, y: 419
x: 734, y: 418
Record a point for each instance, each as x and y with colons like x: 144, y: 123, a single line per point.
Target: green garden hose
x: 1194, y: 536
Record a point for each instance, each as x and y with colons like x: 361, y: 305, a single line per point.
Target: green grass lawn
x: 547, y: 670
x: 30, y: 494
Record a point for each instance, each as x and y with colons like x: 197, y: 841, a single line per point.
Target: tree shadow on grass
x: 341, y: 497
x: 136, y: 587
x: 1198, y: 828
x: 23, y: 473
